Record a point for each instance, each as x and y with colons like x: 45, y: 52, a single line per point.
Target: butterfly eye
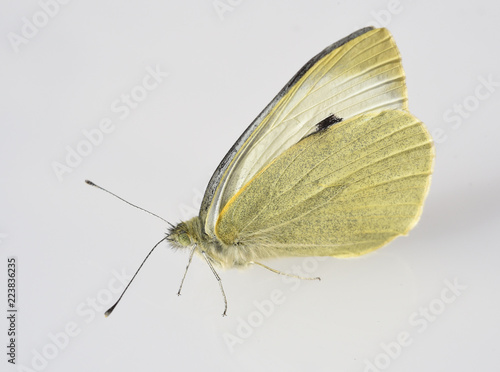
x: 184, y: 239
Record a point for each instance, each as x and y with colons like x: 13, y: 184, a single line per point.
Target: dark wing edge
x: 224, y: 164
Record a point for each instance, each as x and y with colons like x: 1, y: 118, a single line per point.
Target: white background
x: 70, y: 239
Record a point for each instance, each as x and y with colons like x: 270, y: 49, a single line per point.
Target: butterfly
x: 334, y: 166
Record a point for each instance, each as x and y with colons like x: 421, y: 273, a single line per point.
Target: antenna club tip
x: 109, y: 311
x: 88, y: 182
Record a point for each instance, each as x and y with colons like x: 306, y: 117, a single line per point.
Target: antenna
x: 110, y: 310
x: 133, y: 205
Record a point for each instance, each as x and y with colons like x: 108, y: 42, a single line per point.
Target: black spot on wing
x: 327, y: 122
x: 324, y: 124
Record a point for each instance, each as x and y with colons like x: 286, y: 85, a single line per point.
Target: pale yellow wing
x: 360, y: 73
x: 343, y: 191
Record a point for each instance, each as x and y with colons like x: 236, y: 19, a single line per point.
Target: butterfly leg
x: 282, y: 273
x: 218, y: 280
x: 187, y: 267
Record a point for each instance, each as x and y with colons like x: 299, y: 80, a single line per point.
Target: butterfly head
x: 185, y: 234
x: 179, y: 236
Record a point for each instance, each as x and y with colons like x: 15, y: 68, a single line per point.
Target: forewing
x: 340, y: 192
x: 358, y: 74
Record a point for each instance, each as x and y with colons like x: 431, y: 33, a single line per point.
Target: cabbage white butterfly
x: 334, y: 166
